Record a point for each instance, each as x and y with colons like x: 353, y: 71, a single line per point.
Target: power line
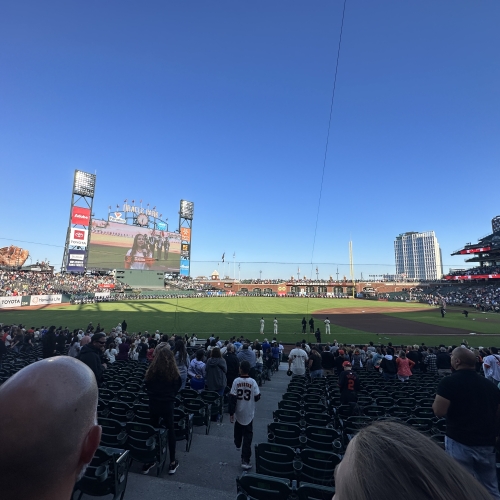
x: 328, y: 133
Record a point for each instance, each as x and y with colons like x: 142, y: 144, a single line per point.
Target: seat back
x: 275, y: 460
x: 318, y: 466
x: 262, y: 487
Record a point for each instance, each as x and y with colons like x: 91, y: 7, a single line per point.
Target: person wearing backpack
x: 389, y: 367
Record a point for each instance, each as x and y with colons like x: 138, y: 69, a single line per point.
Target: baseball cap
x: 341, y: 351
x: 346, y: 363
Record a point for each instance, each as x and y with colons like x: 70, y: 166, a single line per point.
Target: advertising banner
x: 117, y: 217
x: 102, y: 295
x: 76, y: 260
x: 43, y: 300
x: 185, y: 248
x: 186, y: 234
x: 10, y: 302
x: 475, y: 250
x: 80, y: 216
x: 78, y: 237
x: 26, y: 300
x: 161, y: 226
x: 124, y: 246
x: 184, y: 270
x: 106, y: 285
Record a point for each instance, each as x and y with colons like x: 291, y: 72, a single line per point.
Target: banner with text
x: 78, y: 237
x: 10, y: 302
x: 76, y: 260
x: 44, y: 300
x: 473, y: 277
x: 80, y: 216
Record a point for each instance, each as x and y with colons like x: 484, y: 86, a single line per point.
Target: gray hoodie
x: 216, y: 370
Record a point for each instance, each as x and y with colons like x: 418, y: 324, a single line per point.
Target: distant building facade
x: 418, y: 256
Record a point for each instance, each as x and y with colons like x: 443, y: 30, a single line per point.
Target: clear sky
x: 226, y: 103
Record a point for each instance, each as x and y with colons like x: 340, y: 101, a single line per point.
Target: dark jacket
x: 162, y: 393
x: 49, y: 344
x: 443, y: 361
x: 327, y: 360
x: 233, y: 365
x: 389, y: 366
x: 91, y: 356
x: 216, y: 370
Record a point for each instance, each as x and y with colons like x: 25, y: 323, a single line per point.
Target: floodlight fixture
x: 187, y: 209
x: 84, y: 184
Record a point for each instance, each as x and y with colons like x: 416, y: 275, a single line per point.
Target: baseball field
x: 352, y: 320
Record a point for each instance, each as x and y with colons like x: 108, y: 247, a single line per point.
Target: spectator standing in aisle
x: 233, y: 365
x: 275, y: 326
x: 49, y: 341
x: 275, y: 353
x: 243, y: 396
x: 471, y: 406
x: 304, y: 324
x: 262, y: 326
x: 163, y: 382
x: 216, y: 370
x: 327, y: 326
x: 297, y: 360
x: 124, y: 326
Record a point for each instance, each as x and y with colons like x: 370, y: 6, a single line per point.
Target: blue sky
x: 226, y: 104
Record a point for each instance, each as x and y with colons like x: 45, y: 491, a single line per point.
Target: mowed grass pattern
x: 227, y: 316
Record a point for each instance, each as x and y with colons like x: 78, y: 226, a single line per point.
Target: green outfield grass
x: 477, y: 322
x: 236, y: 315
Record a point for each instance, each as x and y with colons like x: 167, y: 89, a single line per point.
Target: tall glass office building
x: 418, y: 256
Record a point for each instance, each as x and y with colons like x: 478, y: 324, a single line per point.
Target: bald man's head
x: 47, y: 426
x: 462, y: 358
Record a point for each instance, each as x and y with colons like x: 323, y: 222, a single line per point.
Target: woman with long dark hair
x: 163, y: 382
x: 181, y: 360
x: 139, y: 256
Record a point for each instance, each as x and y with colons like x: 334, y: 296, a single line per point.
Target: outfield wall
x: 31, y: 300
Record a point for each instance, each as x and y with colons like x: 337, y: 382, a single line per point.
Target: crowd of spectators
x: 44, y: 283
x: 476, y: 271
x: 484, y: 298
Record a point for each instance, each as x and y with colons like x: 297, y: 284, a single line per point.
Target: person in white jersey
x: 262, y: 325
x: 327, y: 326
x: 275, y: 326
x: 491, y: 366
x: 297, y: 360
x: 242, y: 398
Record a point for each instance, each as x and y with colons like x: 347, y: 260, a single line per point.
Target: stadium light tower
x: 80, y: 218
x: 186, y: 213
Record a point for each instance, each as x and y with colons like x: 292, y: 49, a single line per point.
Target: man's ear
x: 90, y: 444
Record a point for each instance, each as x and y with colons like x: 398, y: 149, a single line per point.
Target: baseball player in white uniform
x: 327, y: 326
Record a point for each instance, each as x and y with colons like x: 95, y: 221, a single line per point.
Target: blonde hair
x: 418, y: 467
